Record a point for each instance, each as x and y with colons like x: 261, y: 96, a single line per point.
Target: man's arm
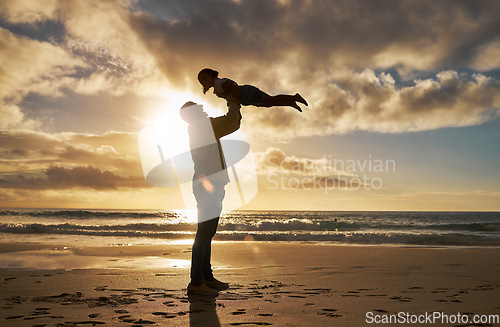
x: 230, y: 122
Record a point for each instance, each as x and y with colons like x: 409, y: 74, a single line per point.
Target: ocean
x: 118, y: 227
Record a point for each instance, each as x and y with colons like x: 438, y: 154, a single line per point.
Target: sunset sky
x: 415, y: 84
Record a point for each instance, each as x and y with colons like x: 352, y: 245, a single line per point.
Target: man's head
x: 191, y: 112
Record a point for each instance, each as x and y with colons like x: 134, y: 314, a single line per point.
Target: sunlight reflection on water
x: 66, y: 259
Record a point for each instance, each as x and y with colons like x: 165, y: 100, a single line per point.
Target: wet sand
x: 272, y: 284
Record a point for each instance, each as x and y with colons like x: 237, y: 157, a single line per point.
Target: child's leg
x: 283, y: 100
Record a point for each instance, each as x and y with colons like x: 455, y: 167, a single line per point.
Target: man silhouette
x: 209, y: 179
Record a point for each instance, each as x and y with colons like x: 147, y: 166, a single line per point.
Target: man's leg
x: 208, y: 277
x: 209, y: 209
x: 207, y: 267
x: 199, y: 252
x: 200, y: 256
x: 216, y: 198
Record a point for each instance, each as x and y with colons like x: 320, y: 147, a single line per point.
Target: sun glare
x: 169, y: 129
x: 168, y: 125
x: 171, y: 132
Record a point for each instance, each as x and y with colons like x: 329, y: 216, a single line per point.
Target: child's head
x: 206, y: 78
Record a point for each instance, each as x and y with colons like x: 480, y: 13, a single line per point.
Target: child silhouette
x: 246, y: 95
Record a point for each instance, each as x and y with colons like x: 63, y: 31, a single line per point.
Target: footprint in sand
x: 126, y: 318
x: 164, y: 314
x: 401, y: 298
x: 15, y: 299
x: 121, y: 311
x: 329, y: 313
x: 88, y: 322
x: 144, y: 322
x: 250, y: 323
x: 376, y: 295
x: 238, y: 312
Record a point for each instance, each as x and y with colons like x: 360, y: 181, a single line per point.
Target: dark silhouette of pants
x: 202, y: 311
x: 209, y: 208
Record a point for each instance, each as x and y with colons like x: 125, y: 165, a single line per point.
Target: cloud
x: 28, y: 11
x: 353, y: 60
x: 33, y: 66
x: 361, y: 65
x: 30, y: 66
x: 292, y: 172
x: 13, y: 116
x: 37, y: 151
x: 59, y: 178
x: 366, y: 101
x: 243, y: 35
x: 36, y: 161
x: 276, y: 160
x: 488, y: 57
x: 94, y: 53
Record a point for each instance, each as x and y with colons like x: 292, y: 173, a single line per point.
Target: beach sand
x: 272, y: 284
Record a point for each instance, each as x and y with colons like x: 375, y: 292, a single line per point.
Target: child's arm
x: 231, y: 88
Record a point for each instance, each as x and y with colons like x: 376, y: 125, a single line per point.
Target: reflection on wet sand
x: 202, y: 311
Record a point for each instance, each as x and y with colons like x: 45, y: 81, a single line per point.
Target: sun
x: 169, y: 130
x: 171, y: 133
x: 167, y: 123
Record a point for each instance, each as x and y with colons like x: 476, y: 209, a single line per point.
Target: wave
x: 188, y: 230
x: 426, y: 228
x: 304, y: 224
x: 453, y: 239
x: 290, y: 225
x: 90, y: 214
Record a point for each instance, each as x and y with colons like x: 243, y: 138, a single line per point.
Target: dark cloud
x: 58, y: 178
x: 261, y: 32
x: 35, y: 161
x: 47, y: 30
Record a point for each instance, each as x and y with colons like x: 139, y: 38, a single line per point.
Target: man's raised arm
x: 230, y: 122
